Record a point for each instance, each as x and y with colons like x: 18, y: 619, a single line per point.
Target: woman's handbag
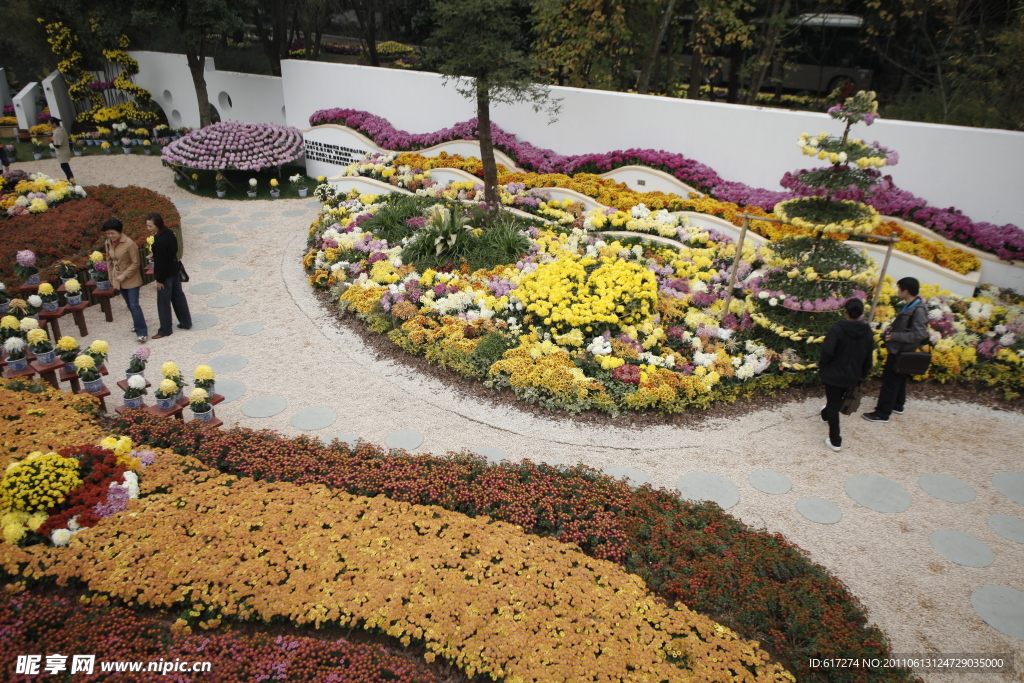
x: 912, y: 362
x: 851, y: 400
x: 182, y: 272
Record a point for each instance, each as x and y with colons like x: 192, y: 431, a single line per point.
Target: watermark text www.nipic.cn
x: 86, y: 664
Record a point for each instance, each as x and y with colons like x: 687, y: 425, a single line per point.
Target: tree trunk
x: 696, y: 73
x: 735, y: 66
x: 776, y: 22
x: 367, y: 17
x: 197, y: 65
x: 270, y: 45
x: 320, y: 12
x: 652, y: 52
x: 483, y: 117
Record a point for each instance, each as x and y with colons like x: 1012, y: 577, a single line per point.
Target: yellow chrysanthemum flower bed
x: 253, y: 550
x: 45, y: 419
x: 39, y: 482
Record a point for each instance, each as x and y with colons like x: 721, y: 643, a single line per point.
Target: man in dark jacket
x: 907, y: 332
x: 845, y: 362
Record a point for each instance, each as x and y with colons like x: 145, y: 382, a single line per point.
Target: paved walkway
x: 923, y: 518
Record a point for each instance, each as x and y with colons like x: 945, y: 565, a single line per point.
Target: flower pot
x: 49, y: 306
x: 46, y: 357
x: 166, y: 403
x: 204, y: 416
x: 3, y: 308
x: 94, y: 386
x: 303, y: 191
x: 37, y: 155
x: 132, y: 402
x: 32, y: 279
x: 17, y: 365
x: 128, y: 374
x: 53, y: 155
x: 251, y: 194
x: 69, y: 367
x: 149, y: 152
x: 220, y: 194
x: 275, y: 193
x: 107, y: 150
x: 193, y: 187
x: 178, y: 176
x: 103, y: 286
x: 78, y: 153
x: 127, y: 150
x: 74, y: 299
x: 116, y: 143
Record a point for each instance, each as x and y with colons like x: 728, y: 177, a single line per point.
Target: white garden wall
x: 57, y: 99
x: 25, y: 108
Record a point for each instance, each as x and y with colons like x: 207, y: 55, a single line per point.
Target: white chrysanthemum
x: 131, y: 481
x: 773, y: 301
x: 1007, y: 339
x: 73, y: 524
x: 744, y: 372
x: 640, y: 211
x: 704, y: 359
x: 60, y: 537
x: 698, y: 286
x: 35, y: 301
x: 935, y: 314
x: 137, y: 382
x: 14, y: 344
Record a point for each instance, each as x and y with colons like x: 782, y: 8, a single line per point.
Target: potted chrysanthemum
x: 25, y: 267
x: 16, y: 349
x: 170, y: 371
x: 204, y: 378
x: 98, y: 349
x: 35, y: 304
x: 89, y: 373
x: 68, y: 351
x: 193, y: 182
x: 166, y: 394
x: 73, y: 297
x: 49, y: 297
x: 252, y: 187
x: 9, y: 327
x: 299, y: 181
x: 275, y: 190
x: 132, y: 396
x: 137, y: 364
x: 199, y: 403
x: 5, y: 300
x: 39, y: 342
x: 222, y: 184
x: 67, y: 271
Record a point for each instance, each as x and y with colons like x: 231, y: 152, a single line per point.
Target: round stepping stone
x: 634, y: 477
x: 216, y: 211
x: 1001, y: 608
x: 1011, y: 485
x: 493, y: 455
x: 252, y: 225
x: 878, y: 493
x: 232, y: 250
x: 262, y: 406
x: 295, y: 213
x: 183, y: 202
x: 259, y: 214
x: 964, y: 549
x: 211, y: 265
x: 351, y: 439
x: 230, y: 219
x: 697, y: 486
x: 947, y: 488
x: 205, y: 288
x: 247, y: 329
x: 819, y: 510
x: 407, y: 439
x: 317, y: 417
x: 225, y: 301
x: 183, y: 212
x: 314, y: 204
x: 221, y: 239
x: 1008, y: 527
x: 229, y: 389
x: 769, y: 481
x: 208, y: 346
x: 233, y: 274
x: 212, y: 228
x: 203, y: 321
x: 195, y: 219
x: 229, y: 362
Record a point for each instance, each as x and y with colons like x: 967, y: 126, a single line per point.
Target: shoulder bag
x: 912, y: 362
x: 851, y: 399
x: 182, y: 272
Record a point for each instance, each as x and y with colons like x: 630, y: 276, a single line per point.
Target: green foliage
x: 389, y: 222
x: 489, y: 351
x: 449, y: 238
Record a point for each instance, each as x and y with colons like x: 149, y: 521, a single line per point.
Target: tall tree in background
x: 667, y: 10
x: 576, y: 38
x: 367, y: 12
x: 716, y: 24
x: 482, y: 47
x: 271, y: 20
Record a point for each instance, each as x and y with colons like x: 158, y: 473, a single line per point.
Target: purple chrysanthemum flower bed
x: 1004, y: 241
x: 234, y: 145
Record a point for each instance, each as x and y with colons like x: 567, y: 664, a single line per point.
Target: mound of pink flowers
x: 234, y: 145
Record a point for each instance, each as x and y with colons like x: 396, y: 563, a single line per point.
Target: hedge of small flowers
x: 46, y: 624
x: 582, y: 322
x: 22, y: 193
x: 236, y: 145
x: 693, y: 553
x: 1005, y: 241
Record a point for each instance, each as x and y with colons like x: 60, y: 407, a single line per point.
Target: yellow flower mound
x: 99, y: 347
x: 170, y: 369
x: 49, y: 421
x: 38, y: 482
x: 85, y: 363
x: 580, y: 292
x: 484, y: 594
x: 167, y: 388
x: 204, y: 372
x: 67, y: 343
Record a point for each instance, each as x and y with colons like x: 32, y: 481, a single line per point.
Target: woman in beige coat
x: 123, y: 267
x: 63, y: 147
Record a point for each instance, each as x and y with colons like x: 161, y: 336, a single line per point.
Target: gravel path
x: 921, y: 599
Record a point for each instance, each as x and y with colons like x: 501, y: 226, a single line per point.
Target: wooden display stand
x: 54, y: 320
x: 174, y: 412
x: 48, y: 372
x: 27, y: 373
x: 104, y: 299
x: 65, y: 376
x: 101, y: 395
x: 75, y: 311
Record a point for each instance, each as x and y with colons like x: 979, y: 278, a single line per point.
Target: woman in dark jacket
x: 845, y: 362
x: 167, y: 272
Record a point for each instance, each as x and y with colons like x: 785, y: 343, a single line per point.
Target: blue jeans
x: 172, y: 296
x: 131, y: 297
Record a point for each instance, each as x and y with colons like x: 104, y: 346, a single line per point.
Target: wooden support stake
x: 736, y: 264
x: 881, y: 277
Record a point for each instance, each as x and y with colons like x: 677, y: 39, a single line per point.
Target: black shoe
x: 182, y: 327
x: 897, y: 412
x: 874, y: 417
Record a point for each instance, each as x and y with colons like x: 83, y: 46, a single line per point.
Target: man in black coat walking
x: 846, y: 359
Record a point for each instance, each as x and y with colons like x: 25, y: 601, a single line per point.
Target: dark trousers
x: 172, y: 296
x: 66, y: 167
x: 830, y: 413
x: 893, y: 395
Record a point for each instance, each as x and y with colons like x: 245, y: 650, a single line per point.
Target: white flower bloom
x: 335, y: 267
x: 744, y: 372
x: 698, y: 286
x: 1000, y: 329
x: 73, y: 524
x: 137, y: 382
x: 14, y: 344
x: 773, y: 301
x: 131, y: 481
x: 763, y: 294
x: 1007, y: 339
x: 35, y: 300
x: 60, y: 537
x: 842, y: 157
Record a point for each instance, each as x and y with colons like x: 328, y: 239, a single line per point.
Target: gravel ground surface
x: 918, y: 597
